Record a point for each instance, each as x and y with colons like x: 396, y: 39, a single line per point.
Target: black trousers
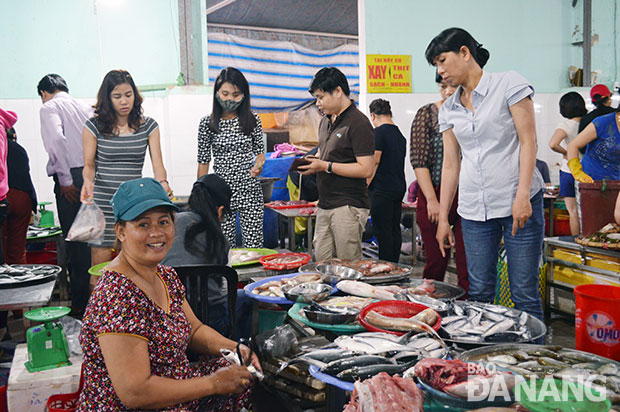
x: 385, y: 211
x: 78, y: 253
x: 4, y: 210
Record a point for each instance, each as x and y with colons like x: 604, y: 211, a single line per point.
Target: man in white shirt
x: 62, y: 120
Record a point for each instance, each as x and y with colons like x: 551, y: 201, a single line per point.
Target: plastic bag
x: 88, y: 226
x: 277, y: 342
x: 72, y: 328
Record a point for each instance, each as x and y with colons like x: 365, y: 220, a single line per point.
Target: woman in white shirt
x: 572, y: 108
x: 490, y: 153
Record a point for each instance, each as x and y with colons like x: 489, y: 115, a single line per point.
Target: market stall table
x: 26, y: 296
x: 290, y: 215
x: 571, y: 264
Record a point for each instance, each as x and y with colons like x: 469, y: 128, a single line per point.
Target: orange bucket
x: 597, y: 320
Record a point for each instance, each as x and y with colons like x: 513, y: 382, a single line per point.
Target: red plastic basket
x: 393, y: 309
x: 300, y: 260
x: 66, y: 402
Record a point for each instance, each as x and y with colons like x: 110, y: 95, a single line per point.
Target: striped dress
x: 117, y: 160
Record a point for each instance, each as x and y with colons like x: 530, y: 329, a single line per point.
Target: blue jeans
x: 524, y: 250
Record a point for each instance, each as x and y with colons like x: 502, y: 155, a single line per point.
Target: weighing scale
x: 47, y: 343
x: 45, y: 218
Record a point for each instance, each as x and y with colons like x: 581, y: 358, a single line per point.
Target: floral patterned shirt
x: 426, y: 142
x: 119, y: 306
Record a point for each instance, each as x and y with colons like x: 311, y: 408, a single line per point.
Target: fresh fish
x: 572, y: 373
x: 337, y: 366
x: 458, y: 310
x: 407, y: 356
x: 506, y: 359
x: 428, y: 316
x: 495, y: 317
x: 521, y: 356
x: 528, y: 364
x: 436, y: 304
x: 520, y: 371
x: 593, y: 366
x: 543, y: 360
x: 437, y: 353
x: 368, y: 344
x: 523, y: 318
x: 319, y: 358
x: 502, y: 326
x: 496, y: 309
x: 608, y: 369
x: 545, y: 352
x: 365, y: 372
x: 475, y: 386
x: 357, y: 288
x: 449, y: 319
x: 579, y: 357
x: 504, y: 337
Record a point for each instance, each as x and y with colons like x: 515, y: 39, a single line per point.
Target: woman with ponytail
x: 199, y: 240
x: 489, y: 139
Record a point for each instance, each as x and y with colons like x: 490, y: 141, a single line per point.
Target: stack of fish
x: 24, y: 273
x: 476, y: 322
x: 386, y: 393
x: 366, y: 354
x: 561, y: 363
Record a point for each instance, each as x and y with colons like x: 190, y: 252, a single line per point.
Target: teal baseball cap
x: 134, y: 197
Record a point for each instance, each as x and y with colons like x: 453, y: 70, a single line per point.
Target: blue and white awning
x: 279, y: 72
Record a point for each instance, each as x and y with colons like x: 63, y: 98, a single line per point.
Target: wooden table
x: 290, y: 215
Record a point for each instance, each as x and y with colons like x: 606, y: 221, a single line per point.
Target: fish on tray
x: 476, y: 322
x: 369, y: 267
x: 274, y: 287
x: 383, y: 392
x: 237, y: 256
x: 420, y: 322
x: 365, y: 290
x: 561, y: 363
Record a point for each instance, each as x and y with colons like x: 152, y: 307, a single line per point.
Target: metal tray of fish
x: 388, y: 278
x: 483, y: 353
x: 543, y: 360
x: 443, y: 291
x: 489, y: 324
x: 18, y: 276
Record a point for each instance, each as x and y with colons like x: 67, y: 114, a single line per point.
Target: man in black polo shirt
x: 344, y: 160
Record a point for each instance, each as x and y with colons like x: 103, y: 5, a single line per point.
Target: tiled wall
x: 179, y: 114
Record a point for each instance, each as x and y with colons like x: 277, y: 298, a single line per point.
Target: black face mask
x: 229, y: 105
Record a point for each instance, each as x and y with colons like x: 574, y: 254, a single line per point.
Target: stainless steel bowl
x: 329, y: 318
x: 334, y: 273
x: 307, y: 292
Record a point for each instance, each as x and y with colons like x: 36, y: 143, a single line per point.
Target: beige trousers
x: 338, y: 233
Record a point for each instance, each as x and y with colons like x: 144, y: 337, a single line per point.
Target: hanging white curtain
x: 279, y: 72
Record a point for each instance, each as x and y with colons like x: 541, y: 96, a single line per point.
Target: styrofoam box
x: 28, y: 392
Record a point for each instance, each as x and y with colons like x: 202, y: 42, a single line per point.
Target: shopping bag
x: 88, y: 226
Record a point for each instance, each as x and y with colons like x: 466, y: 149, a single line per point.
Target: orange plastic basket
x: 66, y: 402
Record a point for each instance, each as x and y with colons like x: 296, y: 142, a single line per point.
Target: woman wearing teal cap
x: 138, y: 325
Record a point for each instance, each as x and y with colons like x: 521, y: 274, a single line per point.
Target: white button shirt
x: 489, y: 145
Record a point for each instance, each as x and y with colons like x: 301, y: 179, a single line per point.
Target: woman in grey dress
x: 115, y: 142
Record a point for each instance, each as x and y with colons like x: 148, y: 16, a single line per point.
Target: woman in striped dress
x: 115, y: 142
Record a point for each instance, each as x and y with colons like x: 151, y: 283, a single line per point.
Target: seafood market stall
x: 571, y: 264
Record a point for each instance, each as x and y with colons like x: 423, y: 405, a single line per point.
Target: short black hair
x: 51, y: 83
x: 451, y: 40
x: 380, y: 107
x: 328, y: 79
x: 572, y: 105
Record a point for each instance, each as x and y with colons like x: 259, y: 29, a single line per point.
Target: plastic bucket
x: 598, y: 201
x: 3, y: 400
x: 597, y: 320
